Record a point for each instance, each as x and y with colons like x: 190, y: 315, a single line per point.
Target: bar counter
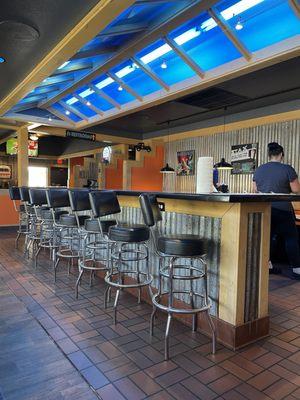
x: 237, y: 228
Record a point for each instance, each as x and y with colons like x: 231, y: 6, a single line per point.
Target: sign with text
x: 81, y: 135
x: 244, y: 158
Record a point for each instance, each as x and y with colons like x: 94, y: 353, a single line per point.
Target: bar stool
x: 14, y: 194
x: 66, y: 231
x: 128, y: 248
x: 172, y: 248
x: 30, y: 215
x: 94, y: 241
x: 44, y: 221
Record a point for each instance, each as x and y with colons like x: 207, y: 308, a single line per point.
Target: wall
x: 148, y: 176
x: 114, y: 176
x: 219, y: 145
x: 73, y: 162
x: 8, y: 215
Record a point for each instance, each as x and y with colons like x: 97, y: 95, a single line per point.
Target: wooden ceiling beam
x: 105, y: 96
x: 150, y: 72
x: 97, y: 51
x: 88, y: 104
x: 295, y: 6
x: 226, y: 29
x: 184, y: 56
x: 97, y: 19
x: 73, y: 110
x: 125, y: 86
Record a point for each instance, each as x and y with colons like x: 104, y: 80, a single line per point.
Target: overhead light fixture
x: 49, y: 119
x: 230, y: 12
x: 34, y: 137
x: 164, y: 65
x: 2, y: 60
x: 223, y: 165
x: 67, y: 112
x: 88, y: 103
x: 120, y: 88
x: 167, y: 169
x: 239, y: 25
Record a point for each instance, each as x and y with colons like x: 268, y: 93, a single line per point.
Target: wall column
x: 23, y: 156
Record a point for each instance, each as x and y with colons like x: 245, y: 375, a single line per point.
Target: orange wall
x: 149, y: 177
x: 114, y: 176
x: 8, y: 215
x: 74, y: 161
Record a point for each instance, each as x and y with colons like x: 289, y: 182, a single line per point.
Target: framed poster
x: 244, y: 158
x: 185, y: 163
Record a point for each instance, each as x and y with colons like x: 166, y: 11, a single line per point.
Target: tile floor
x: 54, y: 347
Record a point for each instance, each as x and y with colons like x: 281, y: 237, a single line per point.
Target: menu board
x: 244, y: 158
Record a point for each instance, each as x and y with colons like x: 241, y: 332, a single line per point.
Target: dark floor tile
x: 80, y: 360
x: 94, y: 377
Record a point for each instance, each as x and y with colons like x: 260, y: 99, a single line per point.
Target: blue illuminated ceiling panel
x: 265, y: 23
x: 230, y: 30
x: 95, y: 99
x: 58, y: 107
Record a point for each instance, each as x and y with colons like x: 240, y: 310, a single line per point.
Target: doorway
x: 37, y: 176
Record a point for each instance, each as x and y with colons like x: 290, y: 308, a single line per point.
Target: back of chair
x: 150, y: 209
x: 104, y: 202
x: 24, y: 194
x: 57, y: 198
x: 79, y: 199
x: 38, y: 196
x: 14, y: 193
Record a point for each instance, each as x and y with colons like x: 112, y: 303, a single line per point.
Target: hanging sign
x: 81, y: 135
x: 244, y: 158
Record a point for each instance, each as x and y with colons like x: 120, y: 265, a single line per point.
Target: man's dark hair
x: 275, y: 149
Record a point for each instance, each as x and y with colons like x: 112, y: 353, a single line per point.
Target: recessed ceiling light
x: 67, y: 112
x: 2, y: 60
x: 120, y: 88
x: 88, y: 103
x: 49, y: 119
x: 163, y: 65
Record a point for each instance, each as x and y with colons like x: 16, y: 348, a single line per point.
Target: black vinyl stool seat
x: 66, y: 229
x: 71, y: 220
x: 129, y: 233
x: 181, y: 245
x: 92, y: 225
x: 23, y: 228
x: 181, y: 264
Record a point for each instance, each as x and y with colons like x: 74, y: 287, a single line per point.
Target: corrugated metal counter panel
x: 175, y: 223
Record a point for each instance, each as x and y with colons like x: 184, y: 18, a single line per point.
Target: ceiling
x: 29, y: 30
x: 276, y: 84
x: 154, y: 52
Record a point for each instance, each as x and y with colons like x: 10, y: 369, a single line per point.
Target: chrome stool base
x: 192, y: 274
x: 119, y: 258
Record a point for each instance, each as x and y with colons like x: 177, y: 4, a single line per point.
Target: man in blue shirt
x: 276, y: 177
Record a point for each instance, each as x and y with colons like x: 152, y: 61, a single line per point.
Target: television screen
x: 12, y: 147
